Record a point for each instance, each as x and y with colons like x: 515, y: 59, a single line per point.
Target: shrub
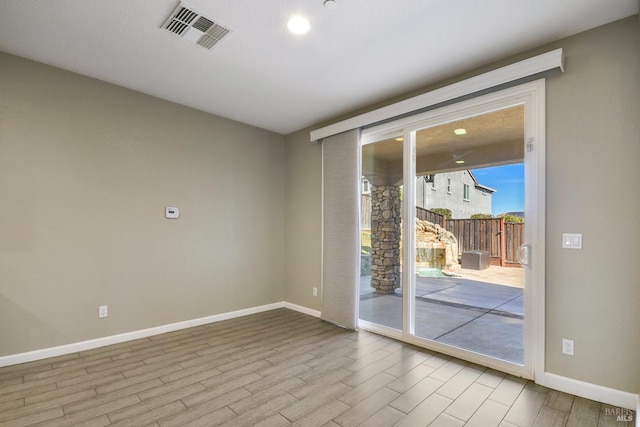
x: 481, y: 216
x: 512, y: 218
x: 442, y: 211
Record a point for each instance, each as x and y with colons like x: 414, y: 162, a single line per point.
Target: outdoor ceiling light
x: 399, y: 139
x: 459, y: 162
x: 460, y: 131
x: 298, y: 25
x: 330, y: 4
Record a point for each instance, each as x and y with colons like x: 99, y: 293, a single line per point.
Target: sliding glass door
x: 446, y: 258
x: 469, y: 185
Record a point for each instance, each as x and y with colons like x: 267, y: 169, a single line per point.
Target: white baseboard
x: 587, y: 390
x: 301, y: 309
x: 15, y: 359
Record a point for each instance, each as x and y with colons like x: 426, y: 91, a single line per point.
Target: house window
x: 448, y: 185
x: 466, y: 192
x: 432, y: 180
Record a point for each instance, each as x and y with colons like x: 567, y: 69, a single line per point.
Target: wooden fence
x: 477, y: 235
x: 514, y: 238
x: 432, y: 217
x: 365, y: 212
x: 501, y: 239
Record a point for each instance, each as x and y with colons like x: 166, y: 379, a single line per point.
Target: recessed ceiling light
x: 460, y: 131
x: 459, y: 162
x: 298, y: 25
x: 399, y: 139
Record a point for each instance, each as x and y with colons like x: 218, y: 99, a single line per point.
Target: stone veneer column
x: 386, y: 219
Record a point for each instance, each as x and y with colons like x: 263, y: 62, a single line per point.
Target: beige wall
x: 86, y: 170
x: 303, y: 215
x: 593, y: 148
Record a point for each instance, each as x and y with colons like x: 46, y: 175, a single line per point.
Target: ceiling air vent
x: 194, y: 27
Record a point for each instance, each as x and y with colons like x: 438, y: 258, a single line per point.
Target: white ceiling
x: 359, y: 53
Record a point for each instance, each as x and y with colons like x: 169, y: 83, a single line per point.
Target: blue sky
x: 509, y: 183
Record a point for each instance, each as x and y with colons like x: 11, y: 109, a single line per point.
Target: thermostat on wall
x: 171, y: 212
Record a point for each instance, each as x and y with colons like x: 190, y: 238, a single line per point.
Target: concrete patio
x: 481, y: 311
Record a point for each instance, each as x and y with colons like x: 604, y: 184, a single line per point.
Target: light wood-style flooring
x: 278, y: 368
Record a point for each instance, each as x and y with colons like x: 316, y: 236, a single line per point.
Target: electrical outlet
x: 103, y: 311
x: 315, y: 292
x: 567, y: 346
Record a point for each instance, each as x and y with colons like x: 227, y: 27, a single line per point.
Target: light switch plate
x: 572, y: 240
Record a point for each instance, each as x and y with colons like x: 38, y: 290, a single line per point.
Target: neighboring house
x: 458, y: 191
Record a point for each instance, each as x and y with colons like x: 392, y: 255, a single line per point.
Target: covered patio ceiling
x: 491, y: 139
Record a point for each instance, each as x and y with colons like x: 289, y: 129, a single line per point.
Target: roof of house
x: 480, y: 186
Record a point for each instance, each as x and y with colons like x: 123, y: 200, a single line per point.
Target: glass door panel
x: 469, y: 193
x: 381, y: 231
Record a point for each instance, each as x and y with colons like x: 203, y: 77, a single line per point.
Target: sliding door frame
x: 532, y: 96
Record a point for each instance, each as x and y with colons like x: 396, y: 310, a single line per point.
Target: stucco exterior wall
x: 430, y: 196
